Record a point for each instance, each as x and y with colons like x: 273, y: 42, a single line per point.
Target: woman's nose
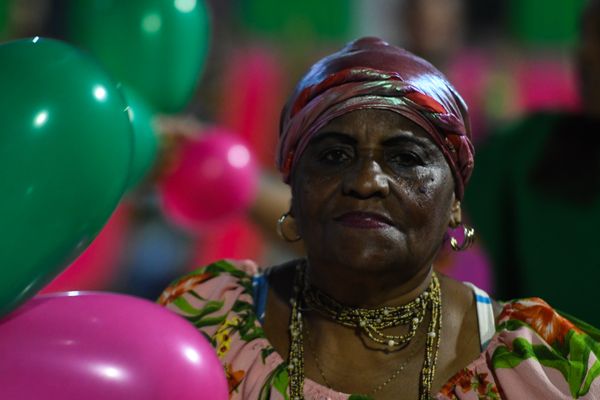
x: 367, y: 179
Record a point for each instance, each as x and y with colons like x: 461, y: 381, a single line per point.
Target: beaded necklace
x: 370, y: 322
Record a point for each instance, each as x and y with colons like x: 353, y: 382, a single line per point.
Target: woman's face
x: 373, y: 192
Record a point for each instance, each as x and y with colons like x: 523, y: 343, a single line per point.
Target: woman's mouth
x: 364, y: 220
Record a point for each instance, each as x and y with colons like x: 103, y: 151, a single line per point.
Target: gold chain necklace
x: 372, y: 321
x: 433, y: 302
x: 377, y: 388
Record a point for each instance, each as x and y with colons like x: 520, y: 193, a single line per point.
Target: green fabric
x: 305, y: 20
x: 4, y: 18
x: 539, y: 245
x: 545, y: 22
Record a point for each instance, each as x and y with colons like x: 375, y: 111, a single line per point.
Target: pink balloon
x: 98, y: 346
x: 215, y: 180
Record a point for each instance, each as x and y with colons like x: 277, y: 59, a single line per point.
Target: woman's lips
x: 364, y: 220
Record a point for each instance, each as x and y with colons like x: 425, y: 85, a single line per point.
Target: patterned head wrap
x: 370, y: 73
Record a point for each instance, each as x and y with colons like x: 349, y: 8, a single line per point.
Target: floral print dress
x: 535, y: 354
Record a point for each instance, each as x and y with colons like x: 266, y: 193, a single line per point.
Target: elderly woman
x: 375, y: 144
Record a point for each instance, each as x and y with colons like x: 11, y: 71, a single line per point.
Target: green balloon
x: 65, y: 153
x: 156, y: 47
x: 145, y: 143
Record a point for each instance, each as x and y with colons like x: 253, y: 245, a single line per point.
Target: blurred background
x: 508, y: 58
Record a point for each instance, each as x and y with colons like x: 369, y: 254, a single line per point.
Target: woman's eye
x: 335, y: 156
x: 407, y: 159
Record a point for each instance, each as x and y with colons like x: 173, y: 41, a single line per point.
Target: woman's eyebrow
x: 333, y: 136
x: 402, y: 139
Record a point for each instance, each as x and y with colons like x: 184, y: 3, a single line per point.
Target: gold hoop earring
x: 280, y: 231
x: 468, y: 240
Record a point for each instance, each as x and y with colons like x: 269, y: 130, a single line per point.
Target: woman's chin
x: 368, y: 259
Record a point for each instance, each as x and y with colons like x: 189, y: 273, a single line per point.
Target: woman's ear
x: 455, y: 214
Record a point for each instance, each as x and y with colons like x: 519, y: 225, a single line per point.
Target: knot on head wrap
x: 370, y: 73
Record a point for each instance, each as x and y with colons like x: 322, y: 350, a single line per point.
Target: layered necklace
x: 369, y: 322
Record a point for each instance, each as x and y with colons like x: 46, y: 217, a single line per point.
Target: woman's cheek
x: 424, y: 188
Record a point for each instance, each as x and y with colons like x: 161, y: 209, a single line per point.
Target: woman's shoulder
x: 207, y: 294
x: 551, y: 325
x: 537, y: 352
x: 217, y: 275
x: 222, y: 300
x: 212, y: 295
x: 473, y: 297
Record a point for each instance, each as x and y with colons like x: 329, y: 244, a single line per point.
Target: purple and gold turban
x: 370, y: 73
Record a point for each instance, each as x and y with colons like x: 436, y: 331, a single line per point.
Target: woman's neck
x: 393, y: 287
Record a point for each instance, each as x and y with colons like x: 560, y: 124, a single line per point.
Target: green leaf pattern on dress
x: 570, y: 355
x: 567, y: 345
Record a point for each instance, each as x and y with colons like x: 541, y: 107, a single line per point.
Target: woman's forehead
x: 370, y: 123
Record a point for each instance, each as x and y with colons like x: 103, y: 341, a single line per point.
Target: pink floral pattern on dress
x: 536, y: 353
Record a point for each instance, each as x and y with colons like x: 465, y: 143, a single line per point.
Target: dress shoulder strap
x: 485, y: 315
x: 260, y: 286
